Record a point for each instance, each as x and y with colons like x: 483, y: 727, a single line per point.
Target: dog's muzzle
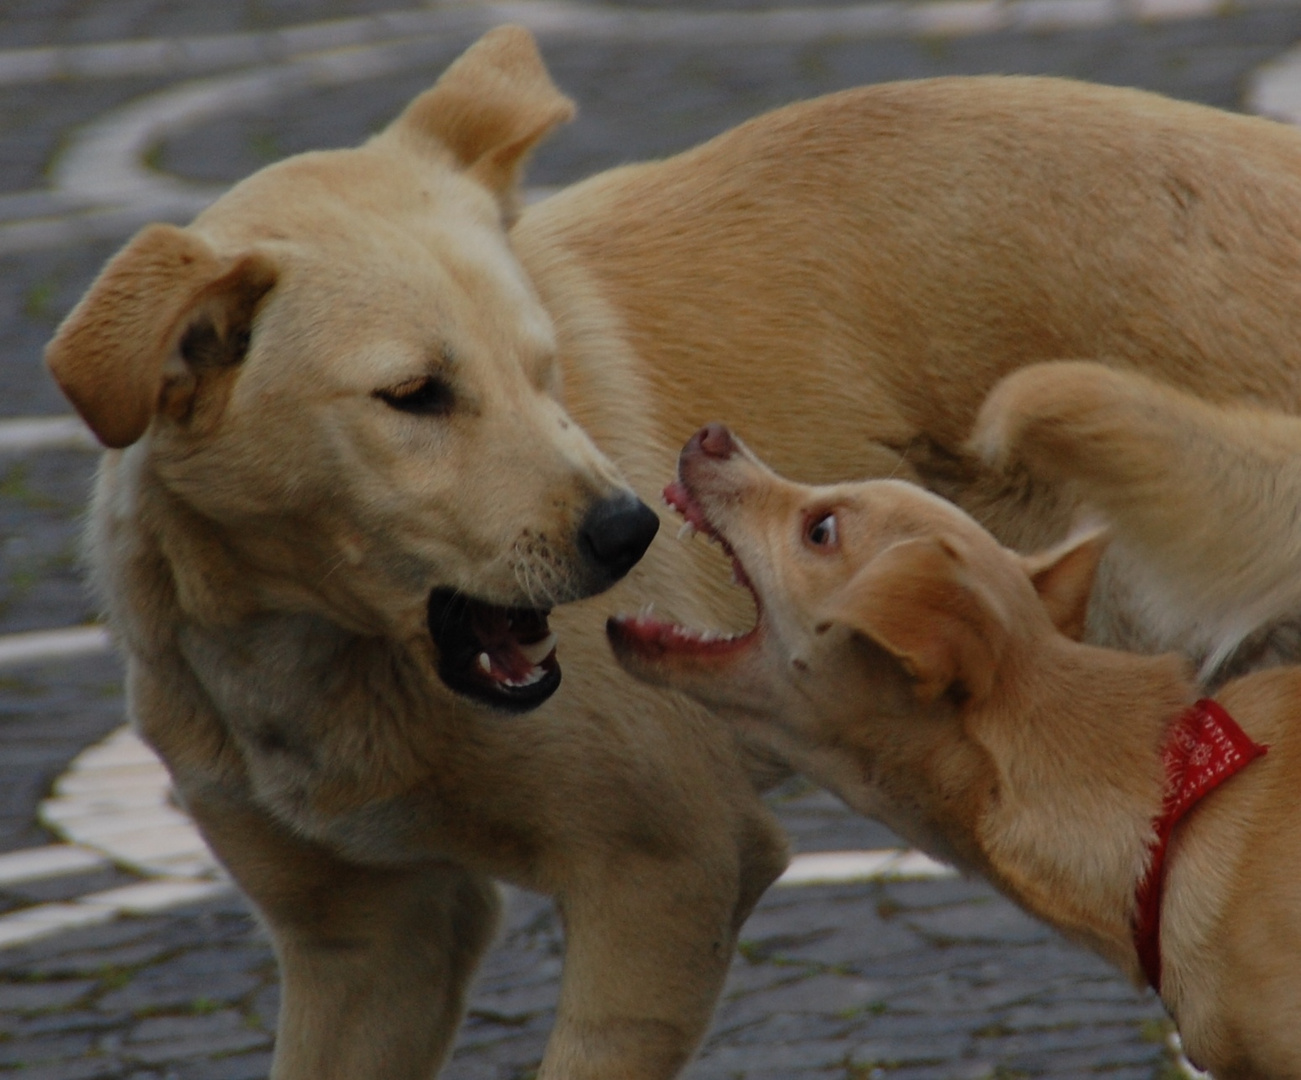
x: 505, y: 657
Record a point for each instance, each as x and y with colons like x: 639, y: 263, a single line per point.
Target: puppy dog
x: 1202, y: 499
x: 932, y: 678
x: 376, y: 437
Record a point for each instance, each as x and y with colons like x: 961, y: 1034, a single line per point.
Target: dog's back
x: 952, y: 229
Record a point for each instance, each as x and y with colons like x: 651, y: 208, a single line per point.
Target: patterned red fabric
x: 1204, y: 748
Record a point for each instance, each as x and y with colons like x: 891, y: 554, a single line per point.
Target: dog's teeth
x: 539, y: 651
x: 485, y: 663
x: 647, y: 611
x: 687, y: 531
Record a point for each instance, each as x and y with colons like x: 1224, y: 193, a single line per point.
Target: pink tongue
x: 500, y: 631
x: 510, y: 666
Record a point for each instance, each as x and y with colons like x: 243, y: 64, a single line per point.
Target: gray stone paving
x: 899, y: 979
x: 637, y: 103
x: 853, y: 981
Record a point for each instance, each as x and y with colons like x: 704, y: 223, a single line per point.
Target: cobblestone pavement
x: 116, y: 112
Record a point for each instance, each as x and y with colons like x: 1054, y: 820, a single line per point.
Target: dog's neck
x: 237, y: 638
x: 1078, y: 781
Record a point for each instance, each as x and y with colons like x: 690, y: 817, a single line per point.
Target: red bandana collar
x: 1204, y: 748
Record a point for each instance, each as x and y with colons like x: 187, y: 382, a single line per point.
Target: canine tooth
x: 539, y: 651
x: 687, y: 531
x: 485, y: 663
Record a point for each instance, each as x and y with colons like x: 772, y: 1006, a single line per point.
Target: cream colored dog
x: 369, y: 428
x: 908, y: 662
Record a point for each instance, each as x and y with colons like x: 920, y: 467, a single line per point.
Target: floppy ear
x: 1063, y: 578
x: 165, y: 294
x: 490, y: 108
x: 916, y: 602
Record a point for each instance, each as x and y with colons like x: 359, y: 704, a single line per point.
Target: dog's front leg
x: 648, y: 946
x: 374, y: 963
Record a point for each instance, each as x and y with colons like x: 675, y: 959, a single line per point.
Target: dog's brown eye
x: 822, y: 532
x: 427, y: 396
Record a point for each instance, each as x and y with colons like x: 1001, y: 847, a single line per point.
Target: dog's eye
x: 823, y: 533
x: 426, y: 396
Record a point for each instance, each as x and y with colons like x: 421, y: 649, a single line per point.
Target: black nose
x: 616, y: 533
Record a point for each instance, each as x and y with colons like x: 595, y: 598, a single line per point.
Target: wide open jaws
x: 653, y: 639
x: 499, y: 656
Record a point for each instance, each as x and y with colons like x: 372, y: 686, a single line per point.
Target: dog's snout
x: 616, y: 533
x: 715, y: 441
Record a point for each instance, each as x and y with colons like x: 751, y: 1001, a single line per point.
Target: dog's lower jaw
x: 728, y: 674
x: 503, y: 658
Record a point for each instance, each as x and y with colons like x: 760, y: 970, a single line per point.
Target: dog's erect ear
x: 166, y: 294
x: 490, y: 108
x: 1063, y: 577
x: 917, y: 602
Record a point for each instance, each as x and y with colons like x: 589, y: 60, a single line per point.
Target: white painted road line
x: 151, y: 896
x: 831, y: 867
x: 44, y: 920
x: 40, y: 646
x: 1274, y: 89
x: 36, y: 864
x: 103, y: 164
x: 26, y: 435
x: 116, y: 797
x: 200, y: 53
x: 30, y: 924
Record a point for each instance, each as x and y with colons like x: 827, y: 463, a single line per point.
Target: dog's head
x: 343, y: 383
x: 872, y: 597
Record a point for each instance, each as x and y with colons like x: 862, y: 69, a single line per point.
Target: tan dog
x: 908, y: 662
x: 369, y: 428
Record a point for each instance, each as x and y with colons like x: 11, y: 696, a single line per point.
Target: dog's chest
x: 295, y: 692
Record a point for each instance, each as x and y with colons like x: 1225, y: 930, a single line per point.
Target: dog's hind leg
x: 374, y: 963
x: 1204, y: 499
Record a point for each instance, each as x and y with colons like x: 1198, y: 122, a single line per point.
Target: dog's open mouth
x: 500, y: 656
x: 653, y: 639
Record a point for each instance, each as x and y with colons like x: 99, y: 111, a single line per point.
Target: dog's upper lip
x: 679, y: 496
x: 653, y: 636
